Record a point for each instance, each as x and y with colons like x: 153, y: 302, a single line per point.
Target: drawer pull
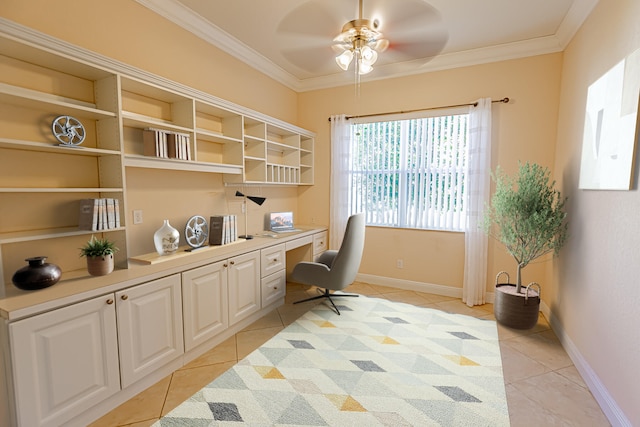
x: 109, y: 301
x: 124, y: 297
x: 275, y: 260
x: 232, y: 262
x: 225, y: 265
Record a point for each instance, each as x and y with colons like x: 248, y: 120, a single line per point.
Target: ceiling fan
x: 393, y: 31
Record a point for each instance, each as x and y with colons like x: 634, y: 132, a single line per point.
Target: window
x: 410, y: 173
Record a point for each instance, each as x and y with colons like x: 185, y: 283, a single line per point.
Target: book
x: 102, y: 215
x: 150, y: 143
x: 173, y: 142
x: 111, y: 213
x: 116, y: 206
x: 89, y: 214
x: 216, y: 227
x: 225, y: 229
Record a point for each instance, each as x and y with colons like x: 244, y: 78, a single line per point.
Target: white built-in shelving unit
x: 42, y: 182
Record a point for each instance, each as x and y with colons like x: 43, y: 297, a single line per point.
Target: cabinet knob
x: 275, y: 288
x: 232, y: 262
x: 225, y: 265
x: 275, y: 260
x: 124, y: 297
x: 109, y: 301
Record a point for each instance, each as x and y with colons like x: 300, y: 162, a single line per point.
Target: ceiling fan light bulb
x: 344, y: 59
x: 364, y: 68
x: 368, y: 55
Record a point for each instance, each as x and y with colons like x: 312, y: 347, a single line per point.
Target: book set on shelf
x: 99, y: 214
x: 166, y: 145
x: 223, y: 229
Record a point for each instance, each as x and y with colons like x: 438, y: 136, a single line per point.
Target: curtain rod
x: 471, y: 104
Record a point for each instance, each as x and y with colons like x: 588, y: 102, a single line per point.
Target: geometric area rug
x: 380, y: 363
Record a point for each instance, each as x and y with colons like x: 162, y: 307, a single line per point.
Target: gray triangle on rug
x: 380, y: 363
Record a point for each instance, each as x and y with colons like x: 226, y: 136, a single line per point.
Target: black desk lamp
x: 257, y: 200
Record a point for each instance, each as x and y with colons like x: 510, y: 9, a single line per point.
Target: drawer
x: 301, y: 241
x: 274, y: 287
x: 272, y: 259
x: 319, y: 243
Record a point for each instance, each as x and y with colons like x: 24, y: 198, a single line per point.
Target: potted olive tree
x: 527, y: 216
x: 99, y: 254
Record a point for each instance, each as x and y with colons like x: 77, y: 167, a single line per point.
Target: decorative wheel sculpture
x: 196, y: 231
x: 68, y: 130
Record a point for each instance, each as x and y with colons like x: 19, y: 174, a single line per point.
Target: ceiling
x: 290, y: 40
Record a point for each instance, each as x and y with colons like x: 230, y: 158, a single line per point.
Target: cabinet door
x: 272, y: 259
x: 149, y: 327
x: 204, y: 296
x: 274, y: 287
x: 244, y: 286
x: 65, y: 361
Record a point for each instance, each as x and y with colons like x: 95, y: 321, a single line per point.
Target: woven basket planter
x: 100, y: 265
x: 516, y: 310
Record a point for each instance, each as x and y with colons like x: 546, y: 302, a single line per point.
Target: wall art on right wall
x: 610, y: 127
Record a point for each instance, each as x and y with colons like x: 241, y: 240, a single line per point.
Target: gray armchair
x: 335, y: 270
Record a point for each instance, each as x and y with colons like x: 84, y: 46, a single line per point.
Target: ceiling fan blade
x: 311, y: 18
x: 409, y: 14
x: 312, y: 60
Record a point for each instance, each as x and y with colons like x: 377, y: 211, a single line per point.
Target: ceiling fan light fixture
x: 360, y: 39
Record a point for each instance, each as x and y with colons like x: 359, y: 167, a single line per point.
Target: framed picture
x: 610, y: 128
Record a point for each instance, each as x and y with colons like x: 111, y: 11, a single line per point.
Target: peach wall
x: 524, y: 129
x: 596, y: 299
x: 128, y: 32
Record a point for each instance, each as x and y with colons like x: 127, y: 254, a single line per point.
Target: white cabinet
x: 205, y: 295
x: 149, y: 327
x: 244, y: 286
x: 273, y: 265
x: 64, y: 361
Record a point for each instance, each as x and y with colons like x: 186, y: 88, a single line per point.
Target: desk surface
x: 79, y: 285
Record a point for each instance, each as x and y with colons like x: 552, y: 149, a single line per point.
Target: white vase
x: 166, y: 239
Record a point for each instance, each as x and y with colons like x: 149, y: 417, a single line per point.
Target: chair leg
x: 327, y: 295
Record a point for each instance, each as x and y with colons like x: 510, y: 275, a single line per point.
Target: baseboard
x: 608, y: 405
x: 410, y: 285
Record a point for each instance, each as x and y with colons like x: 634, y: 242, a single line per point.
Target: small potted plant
x: 527, y: 216
x: 99, y: 253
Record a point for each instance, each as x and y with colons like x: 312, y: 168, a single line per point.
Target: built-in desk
x: 80, y: 348
x: 79, y: 286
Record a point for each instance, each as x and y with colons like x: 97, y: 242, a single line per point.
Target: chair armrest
x: 327, y: 257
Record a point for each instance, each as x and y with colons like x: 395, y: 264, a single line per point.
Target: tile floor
x: 543, y: 386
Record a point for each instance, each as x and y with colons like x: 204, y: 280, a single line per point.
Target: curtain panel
x: 478, y: 188
x: 339, y: 199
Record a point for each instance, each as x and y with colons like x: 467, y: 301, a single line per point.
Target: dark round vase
x: 37, y: 275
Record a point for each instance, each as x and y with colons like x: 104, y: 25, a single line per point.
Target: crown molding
x: 184, y: 17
